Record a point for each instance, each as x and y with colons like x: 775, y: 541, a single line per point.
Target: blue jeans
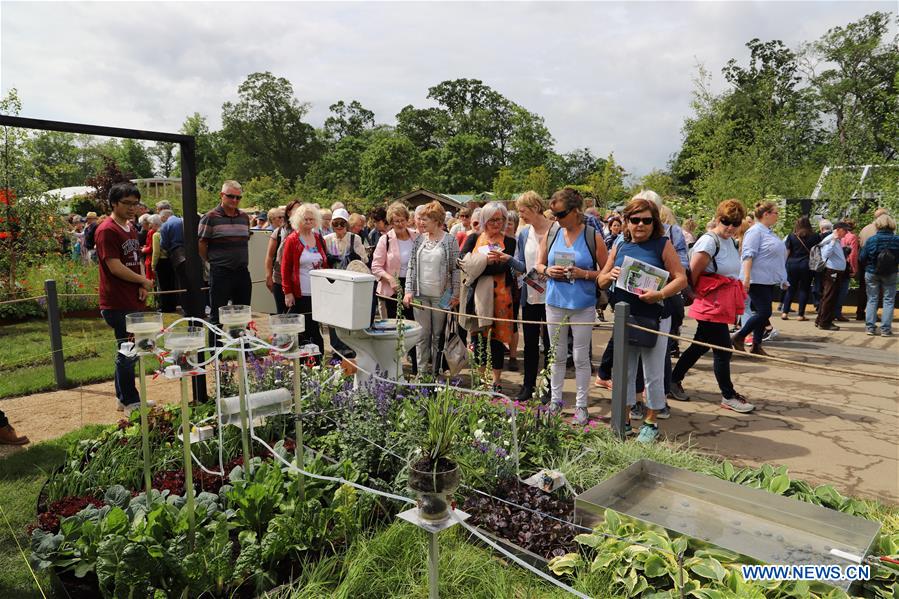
x: 761, y: 297
x: 875, y: 284
x: 125, y: 390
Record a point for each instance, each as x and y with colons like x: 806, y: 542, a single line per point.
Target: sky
x: 612, y: 76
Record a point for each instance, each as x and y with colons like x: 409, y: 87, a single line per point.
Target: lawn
x: 25, y: 357
x: 21, y: 477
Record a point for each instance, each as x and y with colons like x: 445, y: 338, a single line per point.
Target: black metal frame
x: 195, y: 300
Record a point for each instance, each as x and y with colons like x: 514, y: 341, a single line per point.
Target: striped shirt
x: 227, y: 237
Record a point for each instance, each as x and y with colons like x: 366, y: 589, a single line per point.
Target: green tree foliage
x: 575, y: 167
x: 264, y: 130
x: 104, y: 179
x: 540, y: 180
x: 504, y: 185
x: 30, y: 225
x: 464, y: 163
x: 211, y: 152
x: 55, y: 158
x: 132, y: 156
x: 608, y: 184
x: 784, y: 115
x: 348, y: 120
x: 165, y: 156
x: 389, y: 167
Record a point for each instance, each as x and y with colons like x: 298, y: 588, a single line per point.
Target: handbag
x: 454, y: 350
x: 639, y: 338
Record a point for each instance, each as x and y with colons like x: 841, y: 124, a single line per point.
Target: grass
x: 393, y: 563
x: 25, y: 357
x: 21, y: 477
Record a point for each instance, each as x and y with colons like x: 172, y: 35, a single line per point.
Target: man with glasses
x: 224, y: 236
x: 123, y: 286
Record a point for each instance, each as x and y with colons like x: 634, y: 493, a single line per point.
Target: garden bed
x: 254, y: 533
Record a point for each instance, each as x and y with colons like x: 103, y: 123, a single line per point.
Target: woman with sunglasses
x: 571, y: 262
x: 644, y: 239
x: 764, y: 258
x: 715, y: 268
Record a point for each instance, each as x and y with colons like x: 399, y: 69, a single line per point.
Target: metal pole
x: 53, y: 321
x: 144, y: 423
x: 299, y: 454
x: 188, y: 465
x: 244, y: 421
x: 432, y: 567
x: 619, y: 369
x: 194, y: 298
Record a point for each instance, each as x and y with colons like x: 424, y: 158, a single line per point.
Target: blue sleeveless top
x: 579, y: 293
x: 650, y: 251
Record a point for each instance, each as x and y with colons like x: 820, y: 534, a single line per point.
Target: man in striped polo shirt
x: 224, y: 236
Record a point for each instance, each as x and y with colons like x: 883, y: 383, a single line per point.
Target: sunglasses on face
x: 338, y: 224
x: 232, y: 196
x: 636, y: 220
x: 729, y: 223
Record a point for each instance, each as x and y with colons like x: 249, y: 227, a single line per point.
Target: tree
x: 530, y: 143
x: 54, y: 157
x: 505, y: 185
x: 389, y: 167
x: 210, y: 152
x: 860, y: 89
x: 132, y: 157
x: 608, y: 184
x: 539, y: 179
x: 578, y: 164
x: 465, y: 164
x: 348, y: 120
x: 265, y: 132
x: 163, y: 152
x: 105, y: 178
x: 425, y: 127
x: 30, y: 226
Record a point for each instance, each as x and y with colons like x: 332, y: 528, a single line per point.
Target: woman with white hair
x: 304, y: 251
x: 325, y: 219
x: 149, y: 223
x: 498, y: 248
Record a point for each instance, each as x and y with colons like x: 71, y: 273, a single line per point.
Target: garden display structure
x: 274, y: 496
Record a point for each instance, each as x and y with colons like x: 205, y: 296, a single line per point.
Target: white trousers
x: 432, y: 323
x: 582, y: 336
x: 653, y: 369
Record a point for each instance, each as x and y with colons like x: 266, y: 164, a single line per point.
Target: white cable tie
x: 517, y: 559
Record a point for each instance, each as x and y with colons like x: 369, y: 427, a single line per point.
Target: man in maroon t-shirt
x: 123, y: 287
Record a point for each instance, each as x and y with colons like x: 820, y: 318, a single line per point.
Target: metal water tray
x: 757, y: 524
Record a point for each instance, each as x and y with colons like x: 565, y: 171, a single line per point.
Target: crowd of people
x: 554, y: 264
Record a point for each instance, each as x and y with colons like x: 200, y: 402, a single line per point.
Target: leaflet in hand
x: 535, y: 281
x: 445, y: 299
x: 563, y: 259
x: 638, y: 277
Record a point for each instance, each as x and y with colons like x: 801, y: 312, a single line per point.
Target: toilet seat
x: 376, y: 348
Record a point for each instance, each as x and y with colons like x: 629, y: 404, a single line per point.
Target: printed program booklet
x: 638, y: 277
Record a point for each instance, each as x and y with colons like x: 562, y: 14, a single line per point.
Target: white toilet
x: 343, y: 299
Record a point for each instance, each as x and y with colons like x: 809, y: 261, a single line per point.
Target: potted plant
x: 432, y: 473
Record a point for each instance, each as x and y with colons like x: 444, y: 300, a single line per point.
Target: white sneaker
x: 556, y: 407
x: 120, y: 407
x: 737, y: 403
x: 581, y: 416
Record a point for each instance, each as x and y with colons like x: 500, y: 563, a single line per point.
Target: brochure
x: 444, y: 302
x: 535, y: 281
x: 638, y: 277
x: 565, y: 259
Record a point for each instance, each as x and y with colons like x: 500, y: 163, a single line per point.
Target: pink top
x: 386, y: 260
x: 850, y: 240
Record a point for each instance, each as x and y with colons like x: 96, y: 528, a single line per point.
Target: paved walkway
x: 825, y: 427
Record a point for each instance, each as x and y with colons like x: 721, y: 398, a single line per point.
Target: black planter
x: 435, y: 490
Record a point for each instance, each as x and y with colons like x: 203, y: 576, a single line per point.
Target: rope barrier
x: 24, y: 299
x: 22, y: 553
x: 770, y: 358
x: 495, y: 319
x: 678, y: 337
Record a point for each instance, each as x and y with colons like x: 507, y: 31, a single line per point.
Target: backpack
x: 589, y: 237
x: 815, y: 259
x: 885, y: 265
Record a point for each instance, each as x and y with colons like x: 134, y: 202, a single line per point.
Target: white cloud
x: 611, y: 76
